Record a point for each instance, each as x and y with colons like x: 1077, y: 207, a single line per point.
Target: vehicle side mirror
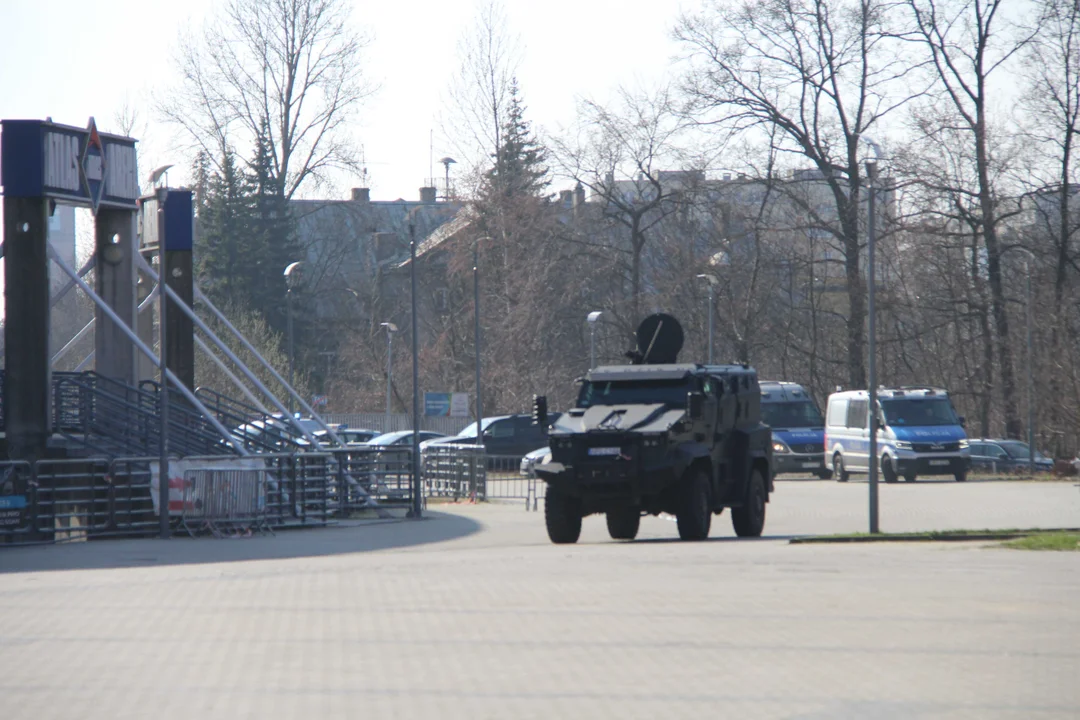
x: 695, y: 405
x: 963, y: 421
x: 540, y: 411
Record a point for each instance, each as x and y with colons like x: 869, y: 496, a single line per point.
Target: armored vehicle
x: 657, y: 436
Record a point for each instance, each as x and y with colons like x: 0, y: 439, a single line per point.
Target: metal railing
x: 85, y: 499
x: 467, y: 472
x: 224, y: 501
x: 398, y: 421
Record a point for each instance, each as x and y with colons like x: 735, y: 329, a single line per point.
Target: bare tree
x: 479, y: 96
x: 823, y: 72
x: 627, y: 156
x: 285, y: 74
x: 966, y: 42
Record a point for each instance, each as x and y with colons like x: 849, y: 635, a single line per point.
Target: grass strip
x: 1059, y: 541
x: 930, y: 536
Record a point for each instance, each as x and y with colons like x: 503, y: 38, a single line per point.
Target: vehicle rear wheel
x: 622, y: 524
x: 961, y: 476
x: 909, y: 478
x: 825, y: 474
x: 749, y: 520
x: 562, y: 514
x: 695, y: 512
x: 839, y: 472
x: 888, y: 469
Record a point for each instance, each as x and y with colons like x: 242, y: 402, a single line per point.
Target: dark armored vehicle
x: 656, y: 437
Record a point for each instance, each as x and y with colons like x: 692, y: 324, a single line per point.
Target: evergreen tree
x: 225, y: 212
x: 520, y: 160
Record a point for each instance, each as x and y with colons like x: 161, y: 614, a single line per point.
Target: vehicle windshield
x: 904, y: 411
x: 634, y: 392
x: 802, y: 414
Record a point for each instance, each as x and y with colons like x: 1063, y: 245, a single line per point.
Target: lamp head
x: 594, y: 316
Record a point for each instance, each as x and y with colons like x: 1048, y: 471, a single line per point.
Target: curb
x: 923, y: 537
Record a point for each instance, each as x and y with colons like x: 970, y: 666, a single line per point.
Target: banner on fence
x: 442, y: 404
x: 177, y: 470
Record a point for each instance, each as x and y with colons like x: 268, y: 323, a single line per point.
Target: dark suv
x: 512, y: 436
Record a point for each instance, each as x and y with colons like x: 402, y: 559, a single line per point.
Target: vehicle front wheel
x: 622, y: 524
x: 562, y: 514
x: 825, y: 474
x: 909, y: 478
x: 888, y: 469
x: 839, y: 472
x: 695, y: 512
x: 749, y: 520
x: 961, y: 476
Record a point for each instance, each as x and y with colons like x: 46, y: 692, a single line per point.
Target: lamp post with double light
x: 390, y: 328
x: 711, y: 281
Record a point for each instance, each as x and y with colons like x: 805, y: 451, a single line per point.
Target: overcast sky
x: 68, y: 59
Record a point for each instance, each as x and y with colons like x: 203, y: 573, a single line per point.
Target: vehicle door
x: 528, y: 436
x: 499, y: 437
x: 997, y: 459
x: 857, y: 447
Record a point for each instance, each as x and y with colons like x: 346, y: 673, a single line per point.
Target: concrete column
x: 27, y: 377
x: 115, y: 283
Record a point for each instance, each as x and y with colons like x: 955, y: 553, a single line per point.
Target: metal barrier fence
x: 85, y: 499
x: 385, y: 474
x: 466, y: 472
x: 398, y: 421
x: 224, y: 500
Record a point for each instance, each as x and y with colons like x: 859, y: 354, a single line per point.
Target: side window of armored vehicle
x: 856, y: 415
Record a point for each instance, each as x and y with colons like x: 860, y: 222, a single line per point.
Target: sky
x: 68, y: 60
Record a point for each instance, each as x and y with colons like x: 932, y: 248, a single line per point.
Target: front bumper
x: 811, y: 463
x: 911, y: 464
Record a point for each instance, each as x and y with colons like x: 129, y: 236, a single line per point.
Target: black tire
x: 562, y: 514
x: 695, y: 507
x: 888, y: 470
x: 961, y: 476
x: 749, y: 520
x: 824, y: 474
x: 910, y: 477
x: 622, y: 524
x: 838, y: 470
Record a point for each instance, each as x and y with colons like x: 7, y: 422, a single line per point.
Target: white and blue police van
x: 798, y: 429
x: 919, y: 434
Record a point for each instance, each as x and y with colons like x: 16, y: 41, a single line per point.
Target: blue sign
x: 74, y: 165
x: 11, y: 510
x: 437, y: 404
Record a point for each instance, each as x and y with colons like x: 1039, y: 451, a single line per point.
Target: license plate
x: 605, y: 451
x: 939, y: 462
x: 811, y: 465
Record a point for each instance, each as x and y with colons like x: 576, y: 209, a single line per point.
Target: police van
x: 798, y: 430
x: 919, y: 434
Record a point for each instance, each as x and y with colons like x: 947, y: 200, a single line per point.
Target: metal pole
x: 418, y: 490
x: 871, y: 173
x: 389, y: 372
x: 592, y: 345
x: 1030, y: 376
x: 710, y: 322
x: 476, y: 305
x: 288, y: 322
x: 163, y: 397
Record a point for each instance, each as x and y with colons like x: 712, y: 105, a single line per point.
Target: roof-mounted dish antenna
x: 659, y: 340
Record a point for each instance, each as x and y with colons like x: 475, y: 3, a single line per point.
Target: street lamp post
x: 476, y: 306
x: 872, y: 404
x: 292, y: 277
x: 592, y: 318
x: 1030, y: 371
x: 711, y: 282
x: 391, y: 328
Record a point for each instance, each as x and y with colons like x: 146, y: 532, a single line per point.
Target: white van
x: 919, y: 433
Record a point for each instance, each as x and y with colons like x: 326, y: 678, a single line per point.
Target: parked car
x: 402, y: 438
x: 530, y: 461
x: 994, y: 455
x: 349, y: 436
x: 503, y: 435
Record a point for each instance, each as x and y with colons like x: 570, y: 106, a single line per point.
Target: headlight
x: 779, y: 446
x: 963, y: 444
x: 903, y: 445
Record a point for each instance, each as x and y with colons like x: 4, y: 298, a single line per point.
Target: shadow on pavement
x: 350, y: 537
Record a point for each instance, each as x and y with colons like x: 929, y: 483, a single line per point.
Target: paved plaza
x: 472, y: 613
